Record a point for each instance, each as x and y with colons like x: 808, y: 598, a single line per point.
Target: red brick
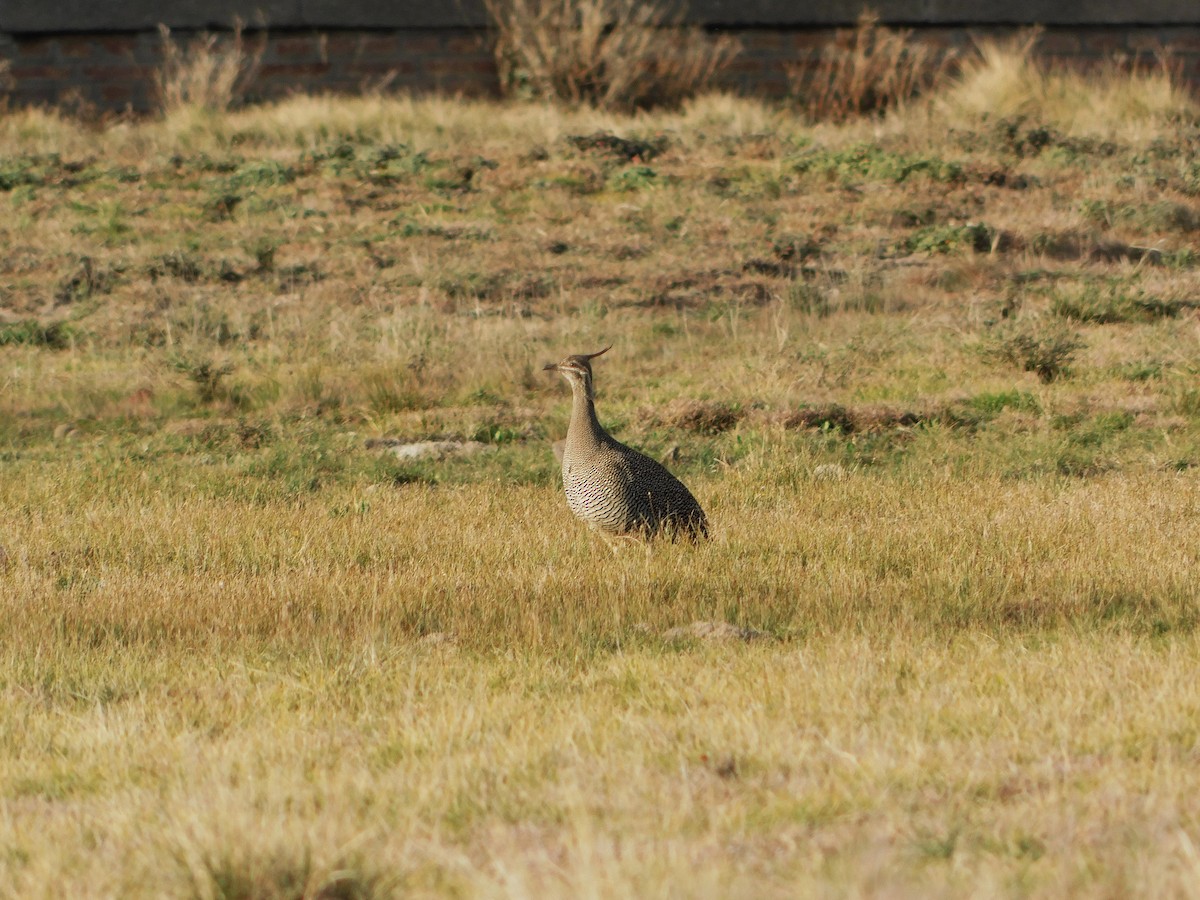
x: 292, y: 70
x: 1146, y: 42
x: 91, y: 47
x: 77, y: 48
x: 1105, y: 42
x: 117, y: 44
x: 113, y: 73
x: 421, y: 43
x: 1059, y: 43
x: 940, y: 39
x: 745, y: 64
x: 385, y: 44
x: 982, y: 33
x: 1185, y: 40
x: 811, y: 39
x: 116, y: 93
x: 294, y: 48
x: 20, y: 72
x: 766, y: 41
x: 360, y: 67
x: 466, y: 46
x: 447, y: 66
x: 344, y: 45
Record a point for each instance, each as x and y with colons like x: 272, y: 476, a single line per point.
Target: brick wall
x: 113, y: 70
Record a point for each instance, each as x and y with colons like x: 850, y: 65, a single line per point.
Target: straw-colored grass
x: 1003, y: 80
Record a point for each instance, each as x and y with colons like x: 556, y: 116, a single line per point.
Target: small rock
x: 190, y: 428
x: 433, y: 449
x: 726, y: 767
x: 829, y: 472
x: 139, y: 404
x: 712, y: 631
x: 65, y: 432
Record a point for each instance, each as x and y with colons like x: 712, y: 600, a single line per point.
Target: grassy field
x: 934, y: 379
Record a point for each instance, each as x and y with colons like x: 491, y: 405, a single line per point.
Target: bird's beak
x: 550, y: 367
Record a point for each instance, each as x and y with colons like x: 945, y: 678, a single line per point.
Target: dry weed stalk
x: 614, y: 54
x: 209, y: 74
x: 870, y: 69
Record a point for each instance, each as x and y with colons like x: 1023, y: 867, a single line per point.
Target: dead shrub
x: 702, y: 417
x: 835, y: 417
x: 611, y: 54
x: 826, y: 417
x: 209, y: 74
x: 869, y: 69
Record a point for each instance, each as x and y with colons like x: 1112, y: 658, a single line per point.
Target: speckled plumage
x: 612, y: 487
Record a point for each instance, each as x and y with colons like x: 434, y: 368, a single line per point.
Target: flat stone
x: 829, y: 472
x: 432, y: 449
x: 713, y: 631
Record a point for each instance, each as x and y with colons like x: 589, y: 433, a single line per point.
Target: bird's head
x: 577, y: 369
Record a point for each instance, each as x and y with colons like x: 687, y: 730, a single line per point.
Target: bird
x: 614, y: 488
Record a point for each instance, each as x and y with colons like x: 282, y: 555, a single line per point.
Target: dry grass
x: 246, y: 651
x: 1004, y: 80
x: 209, y: 75
x: 871, y: 69
x: 612, y: 54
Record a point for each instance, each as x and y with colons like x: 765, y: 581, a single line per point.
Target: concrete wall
x: 103, y: 54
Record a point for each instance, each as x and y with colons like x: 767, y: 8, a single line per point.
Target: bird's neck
x: 584, y: 427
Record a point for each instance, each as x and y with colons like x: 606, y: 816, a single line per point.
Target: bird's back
x: 619, y: 490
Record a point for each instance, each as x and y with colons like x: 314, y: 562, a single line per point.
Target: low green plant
x: 260, y: 173
x: 56, y: 335
x: 634, y: 178
x: 870, y: 161
x: 951, y: 238
x: 1044, y: 348
x: 1161, y: 215
x: 1114, y: 303
x: 204, y: 374
x: 992, y: 404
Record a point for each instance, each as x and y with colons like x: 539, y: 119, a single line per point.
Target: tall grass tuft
x: 870, y: 69
x: 1004, y: 79
x: 208, y: 74
x: 611, y: 54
